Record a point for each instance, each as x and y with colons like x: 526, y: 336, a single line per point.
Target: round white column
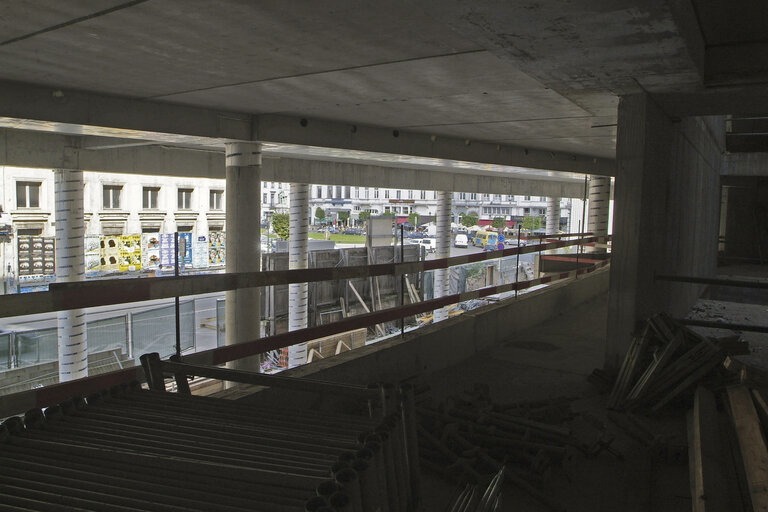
x: 443, y: 249
x: 70, y: 267
x: 243, y: 227
x: 297, y: 259
x: 553, y: 215
x: 599, y: 206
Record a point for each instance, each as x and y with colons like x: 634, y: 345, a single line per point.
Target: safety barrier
x: 50, y: 395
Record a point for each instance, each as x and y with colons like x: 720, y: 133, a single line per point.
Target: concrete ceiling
x: 540, y: 75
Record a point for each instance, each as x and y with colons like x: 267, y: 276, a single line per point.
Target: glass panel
x: 155, y: 330
x: 35, y: 347
x: 108, y: 334
x: 21, y: 195
x: 5, y: 350
x: 220, y: 322
x: 34, y: 195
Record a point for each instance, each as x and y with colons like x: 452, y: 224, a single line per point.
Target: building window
x: 27, y: 194
x: 185, y: 199
x: 367, y: 193
x: 397, y: 194
x: 423, y: 194
x: 112, y: 196
x: 375, y: 193
x: 386, y: 194
x: 149, y: 197
x: 527, y: 198
x: 473, y: 196
x: 264, y: 198
x: 217, y: 200
x: 328, y: 191
x: 319, y: 192
x: 386, y: 208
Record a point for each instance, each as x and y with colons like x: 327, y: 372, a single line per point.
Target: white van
x: 460, y: 240
x: 430, y: 244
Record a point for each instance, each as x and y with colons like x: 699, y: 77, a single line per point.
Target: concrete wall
x: 439, y: 346
x: 667, y: 194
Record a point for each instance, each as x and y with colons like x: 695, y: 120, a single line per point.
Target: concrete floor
x: 554, y: 360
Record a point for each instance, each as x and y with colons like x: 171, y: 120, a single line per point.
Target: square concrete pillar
x: 666, y: 215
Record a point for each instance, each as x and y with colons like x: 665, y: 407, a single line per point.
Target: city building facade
x: 129, y: 205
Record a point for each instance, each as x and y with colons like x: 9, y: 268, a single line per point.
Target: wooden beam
x: 754, y: 453
x: 710, y: 484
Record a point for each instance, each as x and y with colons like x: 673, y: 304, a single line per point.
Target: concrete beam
x: 736, y: 64
x: 745, y: 164
x: 48, y: 150
x: 332, y: 134
x: 26, y: 106
x: 714, y: 101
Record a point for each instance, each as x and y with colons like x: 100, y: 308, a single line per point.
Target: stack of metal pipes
x: 131, y: 449
x: 477, y: 498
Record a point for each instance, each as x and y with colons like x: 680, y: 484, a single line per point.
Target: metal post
x: 402, y: 282
x: 176, y: 299
x: 517, y: 265
x: 582, y: 224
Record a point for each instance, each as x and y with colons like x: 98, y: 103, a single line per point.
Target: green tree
x: 499, y: 223
x: 363, y: 216
x: 388, y: 214
x: 319, y: 213
x: 469, y: 219
x: 531, y: 223
x: 281, y: 224
x: 413, y: 218
x: 343, y: 215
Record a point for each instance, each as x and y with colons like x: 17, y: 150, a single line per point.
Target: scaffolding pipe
x: 243, y: 227
x: 70, y: 267
x: 443, y: 249
x: 297, y: 259
x: 553, y: 215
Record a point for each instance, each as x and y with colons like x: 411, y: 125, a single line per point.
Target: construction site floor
x: 554, y: 360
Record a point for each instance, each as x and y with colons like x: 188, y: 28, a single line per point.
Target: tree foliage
x: 499, y: 223
x: 343, y: 215
x: 319, y: 213
x: 363, y: 216
x: 413, y: 218
x: 281, y: 225
x: 388, y: 214
x: 531, y: 223
x: 469, y: 219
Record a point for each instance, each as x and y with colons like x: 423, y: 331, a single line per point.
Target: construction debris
x: 666, y: 361
x: 469, y: 440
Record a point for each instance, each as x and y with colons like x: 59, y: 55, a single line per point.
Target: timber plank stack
x: 665, y: 362
x: 727, y: 422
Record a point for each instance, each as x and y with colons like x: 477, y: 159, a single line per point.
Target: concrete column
x: 553, y: 215
x: 70, y: 267
x: 599, y: 205
x: 297, y: 259
x: 666, y: 215
x: 243, y: 227
x: 443, y: 243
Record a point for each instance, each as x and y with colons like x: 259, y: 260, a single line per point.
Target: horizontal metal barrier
x: 739, y: 283
x: 86, y: 294
x: 723, y: 325
x: 44, y: 397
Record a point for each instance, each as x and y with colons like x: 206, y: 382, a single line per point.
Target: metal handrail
x: 85, y: 294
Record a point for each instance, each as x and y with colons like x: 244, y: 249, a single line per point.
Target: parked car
x: 460, y: 240
x: 430, y: 244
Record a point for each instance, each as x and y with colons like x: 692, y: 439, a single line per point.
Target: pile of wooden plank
x: 665, y: 361
x: 728, y: 459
